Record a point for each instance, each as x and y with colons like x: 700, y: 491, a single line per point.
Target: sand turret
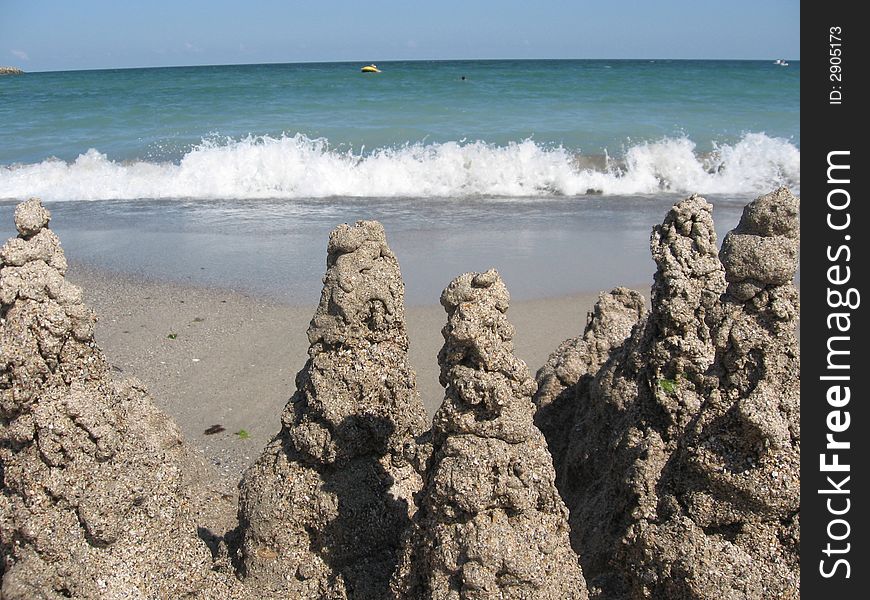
x: 94, y: 502
x: 490, y: 522
x: 323, y: 509
x: 572, y: 366
x: 681, y: 467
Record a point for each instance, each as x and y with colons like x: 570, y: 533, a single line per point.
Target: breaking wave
x: 300, y: 167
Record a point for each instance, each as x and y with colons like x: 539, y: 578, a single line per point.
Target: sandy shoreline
x: 234, y: 357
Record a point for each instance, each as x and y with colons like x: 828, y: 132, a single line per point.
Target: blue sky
x: 40, y: 35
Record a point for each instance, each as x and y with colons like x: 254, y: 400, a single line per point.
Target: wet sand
x: 542, y: 247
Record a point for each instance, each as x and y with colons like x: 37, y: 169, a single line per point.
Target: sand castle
x: 323, y: 510
x: 574, y: 364
x: 674, y: 433
x: 94, y: 501
x: 681, y: 465
x: 491, y: 523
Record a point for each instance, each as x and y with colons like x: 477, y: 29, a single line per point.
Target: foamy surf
x: 299, y: 167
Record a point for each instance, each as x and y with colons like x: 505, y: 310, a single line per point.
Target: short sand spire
x: 490, y: 522
x: 93, y: 502
x: 323, y: 509
x: 572, y: 366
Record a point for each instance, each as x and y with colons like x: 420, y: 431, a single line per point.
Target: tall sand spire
x: 681, y: 465
x: 323, y: 509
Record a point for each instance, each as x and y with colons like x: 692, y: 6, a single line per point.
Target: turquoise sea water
x: 551, y: 171
x: 510, y: 128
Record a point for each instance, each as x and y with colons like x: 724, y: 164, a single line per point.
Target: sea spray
x: 290, y: 167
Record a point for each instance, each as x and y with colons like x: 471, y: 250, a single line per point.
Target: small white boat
x: 780, y: 62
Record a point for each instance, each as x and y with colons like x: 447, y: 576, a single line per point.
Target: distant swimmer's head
x: 462, y: 78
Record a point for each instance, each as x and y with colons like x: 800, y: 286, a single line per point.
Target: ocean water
x: 509, y: 129
x: 552, y: 171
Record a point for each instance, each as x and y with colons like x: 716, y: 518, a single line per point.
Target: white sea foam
x: 299, y: 167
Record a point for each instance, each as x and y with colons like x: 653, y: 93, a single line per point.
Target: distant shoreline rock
x: 11, y: 71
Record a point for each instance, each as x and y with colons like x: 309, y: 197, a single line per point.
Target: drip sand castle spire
x: 490, y: 522
x: 323, y: 509
x: 574, y: 363
x: 93, y: 504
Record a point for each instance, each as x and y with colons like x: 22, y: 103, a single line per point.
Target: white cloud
x: 191, y: 47
x: 20, y: 54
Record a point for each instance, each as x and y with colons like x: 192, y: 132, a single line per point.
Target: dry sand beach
x: 234, y: 357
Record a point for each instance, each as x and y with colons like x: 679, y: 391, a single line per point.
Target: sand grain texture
x: 681, y: 468
x: 675, y: 431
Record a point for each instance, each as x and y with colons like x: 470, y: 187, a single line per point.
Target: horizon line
x: 390, y: 60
